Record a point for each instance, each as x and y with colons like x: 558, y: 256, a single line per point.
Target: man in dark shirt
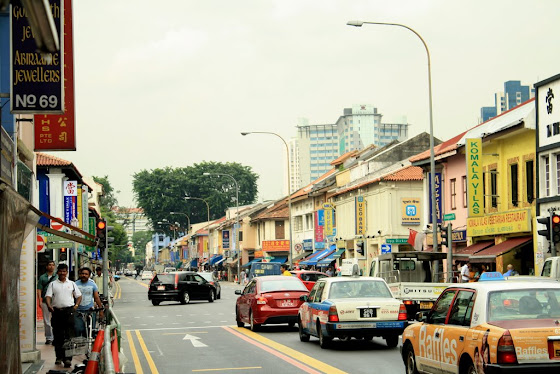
x: 42, y: 284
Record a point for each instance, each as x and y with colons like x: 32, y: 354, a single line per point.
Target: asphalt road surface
x: 202, y: 337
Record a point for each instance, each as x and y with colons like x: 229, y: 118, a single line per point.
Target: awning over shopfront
x: 280, y: 260
x: 472, y: 249
x: 246, y: 265
x: 339, y: 253
x: 490, y: 254
x: 330, y: 258
x: 318, y: 256
x: 215, y: 259
x: 301, y: 255
x: 219, y: 261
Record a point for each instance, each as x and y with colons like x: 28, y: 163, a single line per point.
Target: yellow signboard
x: 475, y: 191
x: 360, y: 215
x: 329, y: 219
x: 500, y: 223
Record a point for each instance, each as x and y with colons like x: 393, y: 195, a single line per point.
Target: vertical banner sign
x: 329, y: 219
x: 437, y: 196
x: 360, y: 215
x: 475, y: 192
x: 58, y: 132
x: 225, y: 239
x: 79, y: 207
x: 37, y: 80
x: 27, y: 293
x: 91, y: 230
x: 85, y: 211
x: 319, y: 225
x: 70, y: 200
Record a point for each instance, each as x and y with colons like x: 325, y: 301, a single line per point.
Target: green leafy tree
x: 161, y: 191
x: 108, y: 199
x: 106, y: 202
x: 139, y: 241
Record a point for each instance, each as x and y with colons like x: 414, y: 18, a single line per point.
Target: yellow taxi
x: 487, y: 327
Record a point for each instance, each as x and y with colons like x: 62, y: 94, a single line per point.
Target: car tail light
x: 506, y: 349
x: 333, y: 314
x: 261, y: 300
x: 176, y: 280
x: 407, y: 302
x: 403, y: 315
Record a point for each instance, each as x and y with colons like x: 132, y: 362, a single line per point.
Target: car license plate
x: 368, y: 313
x: 426, y: 304
x: 556, y: 349
x: 161, y: 288
x: 287, y: 303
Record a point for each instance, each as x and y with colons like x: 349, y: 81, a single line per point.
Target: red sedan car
x: 308, y: 277
x: 272, y: 299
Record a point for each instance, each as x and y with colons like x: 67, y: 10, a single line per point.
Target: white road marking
x: 194, y: 341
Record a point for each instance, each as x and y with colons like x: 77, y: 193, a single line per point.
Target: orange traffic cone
x: 236, y: 279
x: 93, y: 363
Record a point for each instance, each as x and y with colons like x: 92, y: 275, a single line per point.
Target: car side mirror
x: 421, y: 317
x: 304, y: 298
x: 238, y: 292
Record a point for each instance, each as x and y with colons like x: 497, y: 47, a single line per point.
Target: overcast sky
x: 174, y: 82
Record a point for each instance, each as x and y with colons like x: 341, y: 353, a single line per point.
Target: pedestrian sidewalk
x: 48, y: 356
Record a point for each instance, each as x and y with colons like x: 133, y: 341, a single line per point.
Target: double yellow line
x: 134, y: 354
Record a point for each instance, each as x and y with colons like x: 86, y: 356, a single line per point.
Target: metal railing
x: 107, y: 365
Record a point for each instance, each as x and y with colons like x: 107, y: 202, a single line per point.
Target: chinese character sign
x: 275, y: 245
x: 70, y: 201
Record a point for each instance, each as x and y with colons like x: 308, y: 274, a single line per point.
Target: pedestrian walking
x: 90, y: 297
x: 63, y: 298
x: 284, y: 270
x: 42, y: 285
x: 98, y: 279
x: 465, y: 272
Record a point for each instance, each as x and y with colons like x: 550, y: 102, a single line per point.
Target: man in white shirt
x: 63, y: 298
x: 465, y: 273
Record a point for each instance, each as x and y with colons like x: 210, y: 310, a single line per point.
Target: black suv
x: 180, y: 286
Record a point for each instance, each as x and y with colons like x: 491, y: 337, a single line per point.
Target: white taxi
x: 351, y: 307
x: 487, y: 327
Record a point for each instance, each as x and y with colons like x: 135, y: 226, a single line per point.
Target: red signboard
x: 57, y: 132
x: 40, y: 243
x: 275, y: 245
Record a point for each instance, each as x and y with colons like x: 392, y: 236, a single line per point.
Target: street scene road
x: 202, y: 337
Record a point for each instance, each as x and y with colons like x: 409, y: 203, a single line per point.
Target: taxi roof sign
x: 491, y: 276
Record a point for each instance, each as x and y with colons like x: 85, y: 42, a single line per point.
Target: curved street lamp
x: 289, y: 183
x: 236, y: 229
x: 188, y: 219
x: 432, y: 159
x: 208, y: 211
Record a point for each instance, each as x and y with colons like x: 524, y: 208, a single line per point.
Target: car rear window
x: 524, y: 304
x: 359, y: 289
x: 208, y: 276
x: 164, y: 278
x: 288, y: 284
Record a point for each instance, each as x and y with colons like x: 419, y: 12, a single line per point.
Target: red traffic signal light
x: 101, y: 224
x: 555, y: 228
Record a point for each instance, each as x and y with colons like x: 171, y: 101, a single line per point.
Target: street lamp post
x: 236, y: 229
x: 188, y: 219
x: 432, y: 158
x: 208, y: 211
x: 289, y: 183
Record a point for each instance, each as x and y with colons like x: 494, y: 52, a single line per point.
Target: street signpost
x: 58, y: 245
x: 449, y: 217
x: 40, y: 243
x: 386, y: 248
x: 396, y: 241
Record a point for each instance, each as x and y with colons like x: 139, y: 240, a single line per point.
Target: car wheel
x: 155, y: 302
x: 254, y: 326
x: 470, y: 368
x: 212, y: 296
x: 219, y: 295
x: 302, y: 335
x: 410, y: 360
x: 324, y: 342
x: 185, y: 298
x: 392, y: 341
x: 239, y: 321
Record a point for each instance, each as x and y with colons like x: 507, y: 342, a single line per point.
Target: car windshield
x: 208, y: 276
x: 359, y: 289
x: 164, y: 278
x: 288, y: 284
x: 524, y: 304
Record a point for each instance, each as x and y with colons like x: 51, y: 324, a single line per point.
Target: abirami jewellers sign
x: 37, y: 79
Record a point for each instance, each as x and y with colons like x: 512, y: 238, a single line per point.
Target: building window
x: 240, y: 236
x: 298, y: 223
x: 279, y: 230
x: 529, y: 181
x: 309, y: 221
x: 465, y: 191
x: 547, y: 175
x: 453, y: 188
x: 494, y: 187
x: 514, y: 185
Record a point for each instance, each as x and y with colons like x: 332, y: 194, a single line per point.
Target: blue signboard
x: 386, y: 248
x: 307, y: 244
x: 225, y: 239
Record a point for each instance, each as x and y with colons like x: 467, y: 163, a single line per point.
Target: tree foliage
x: 161, y: 191
x: 108, y: 199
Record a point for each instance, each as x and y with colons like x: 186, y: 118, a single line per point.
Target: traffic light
x: 545, y: 221
x: 62, y: 254
x: 555, y: 228
x: 445, y: 240
x: 360, y: 248
x: 101, y: 233
x: 110, y: 239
